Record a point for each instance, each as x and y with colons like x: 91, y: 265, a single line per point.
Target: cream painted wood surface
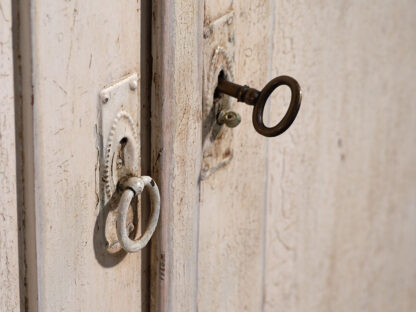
x: 232, y: 199
x: 77, y: 48
x: 319, y: 219
x: 9, y: 263
x: 323, y: 217
x: 176, y: 150
x: 341, y: 188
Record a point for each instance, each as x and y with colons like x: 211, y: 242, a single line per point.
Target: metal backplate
x: 120, y: 149
x: 120, y: 124
x: 218, y: 60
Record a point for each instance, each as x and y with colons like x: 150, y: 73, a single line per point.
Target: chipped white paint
x: 9, y: 263
x: 341, y: 193
x: 333, y: 226
x: 319, y: 219
x: 230, y: 221
x: 78, y: 48
x: 176, y: 150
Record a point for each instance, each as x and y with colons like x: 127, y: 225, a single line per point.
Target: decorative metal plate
x: 120, y: 122
x: 119, y: 152
x: 218, y: 60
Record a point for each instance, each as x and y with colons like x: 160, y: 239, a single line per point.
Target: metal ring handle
x: 134, y: 186
x: 291, y: 113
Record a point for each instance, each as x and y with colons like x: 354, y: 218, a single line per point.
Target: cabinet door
x: 320, y: 218
x: 70, y: 50
x: 339, y: 224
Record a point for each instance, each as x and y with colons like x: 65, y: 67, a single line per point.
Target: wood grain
x: 232, y: 199
x: 340, y: 232
x: 76, y: 48
x: 319, y: 219
x: 176, y: 151
x: 9, y: 261
x: 338, y: 229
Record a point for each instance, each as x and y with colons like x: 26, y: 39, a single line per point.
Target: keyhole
x: 218, y: 95
x: 123, y: 141
x: 121, y: 158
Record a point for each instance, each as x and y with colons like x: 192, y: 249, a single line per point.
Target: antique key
x: 258, y: 99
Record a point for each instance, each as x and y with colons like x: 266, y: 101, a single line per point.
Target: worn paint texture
x: 341, y: 184
x: 9, y: 264
x: 78, y: 48
x: 321, y: 218
x: 231, y: 201
x: 176, y: 151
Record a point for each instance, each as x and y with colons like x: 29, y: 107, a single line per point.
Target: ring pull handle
x: 133, y: 187
x: 258, y: 99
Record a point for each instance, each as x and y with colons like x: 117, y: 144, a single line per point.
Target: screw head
x: 133, y: 84
x: 105, y: 97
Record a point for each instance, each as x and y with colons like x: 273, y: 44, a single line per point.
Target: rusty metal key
x: 258, y: 99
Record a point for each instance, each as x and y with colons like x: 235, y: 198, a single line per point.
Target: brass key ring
x: 258, y: 99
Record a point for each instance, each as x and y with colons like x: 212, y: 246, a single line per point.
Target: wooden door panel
x: 176, y: 149
x: 340, y: 232
x: 77, y: 48
x: 230, y: 262
x: 319, y: 218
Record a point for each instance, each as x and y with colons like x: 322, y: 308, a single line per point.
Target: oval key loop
x: 132, y: 187
x: 254, y: 97
x: 291, y: 113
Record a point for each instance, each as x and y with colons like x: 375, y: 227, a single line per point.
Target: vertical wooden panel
x: 76, y: 49
x: 9, y: 263
x: 176, y: 151
x: 232, y: 199
x: 341, y: 214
